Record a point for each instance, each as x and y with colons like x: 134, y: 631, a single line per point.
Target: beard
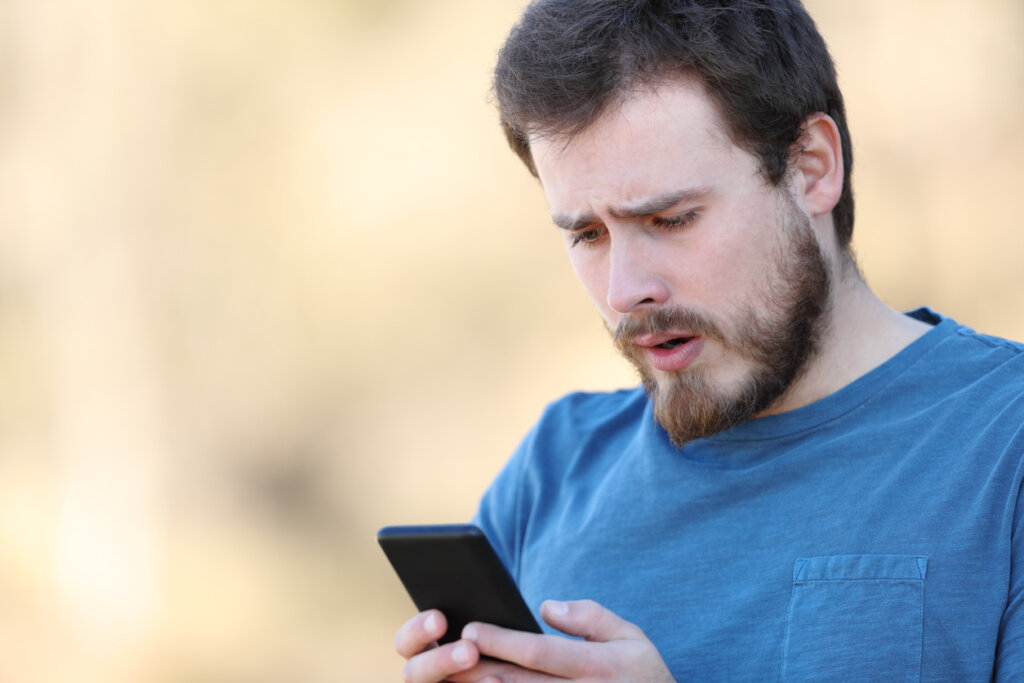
x: 777, y: 333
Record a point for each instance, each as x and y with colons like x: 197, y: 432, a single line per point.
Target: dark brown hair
x: 762, y: 62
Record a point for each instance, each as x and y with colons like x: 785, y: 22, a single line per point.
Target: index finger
x: 442, y: 663
x: 554, y: 655
x: 420, y: 633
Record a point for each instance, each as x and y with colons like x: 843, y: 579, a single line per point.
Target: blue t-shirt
x: 872, y: 535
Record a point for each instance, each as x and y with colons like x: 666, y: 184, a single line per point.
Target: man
x: 809, y: 485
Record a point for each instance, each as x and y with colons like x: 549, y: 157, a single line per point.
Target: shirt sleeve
x: 501, y: 514
x: 1009, y: 664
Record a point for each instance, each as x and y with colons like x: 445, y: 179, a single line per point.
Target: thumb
x: 587, y: 619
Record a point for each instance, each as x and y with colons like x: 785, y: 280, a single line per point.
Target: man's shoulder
x: 973, y: 386
x: 986, y: 342
x: 961, y: 353
x: 983, y: 358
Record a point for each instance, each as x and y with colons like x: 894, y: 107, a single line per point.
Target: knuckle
x: 402, y: 642
x: 413, y: 637
x: 635, y: 631
x: 597, y: 668
x: 535, y: 653
x: 608, y: 622
x: 583, y: 610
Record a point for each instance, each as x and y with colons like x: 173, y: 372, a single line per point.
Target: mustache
x: 658, y: 320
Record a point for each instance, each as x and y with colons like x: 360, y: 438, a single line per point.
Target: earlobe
x: 819, y: 163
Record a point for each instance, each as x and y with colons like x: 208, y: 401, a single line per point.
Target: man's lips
x: 670, y: 351
x: 662, y: 338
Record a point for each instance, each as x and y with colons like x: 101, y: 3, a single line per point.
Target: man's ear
x: 818, y: 165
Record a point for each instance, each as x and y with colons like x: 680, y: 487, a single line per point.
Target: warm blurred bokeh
x: 269, y: 279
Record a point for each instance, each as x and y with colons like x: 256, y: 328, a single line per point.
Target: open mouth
x: 674, y: 342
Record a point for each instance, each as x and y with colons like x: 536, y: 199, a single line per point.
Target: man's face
x: 713, y: 282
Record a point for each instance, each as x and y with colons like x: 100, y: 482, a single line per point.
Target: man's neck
x: 860, y: 332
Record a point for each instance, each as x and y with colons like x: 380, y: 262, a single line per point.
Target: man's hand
x: 428, y: 663
x: 614, y: 650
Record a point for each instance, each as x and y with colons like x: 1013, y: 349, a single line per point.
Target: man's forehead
x: 638, y: 105
x: 657, y: 148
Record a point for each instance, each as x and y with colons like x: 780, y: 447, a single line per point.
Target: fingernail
x: 431, y: 625
x: 469, y: 633
x: 558, y: 608
x: 460, y: 654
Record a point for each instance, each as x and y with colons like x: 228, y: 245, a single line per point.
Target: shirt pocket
x: 855, y: 618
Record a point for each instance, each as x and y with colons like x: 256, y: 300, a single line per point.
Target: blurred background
x: 270, y: 279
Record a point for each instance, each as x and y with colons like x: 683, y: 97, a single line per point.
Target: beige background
x: 269, y: 279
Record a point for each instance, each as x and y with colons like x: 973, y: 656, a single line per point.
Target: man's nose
x: 633, y: 277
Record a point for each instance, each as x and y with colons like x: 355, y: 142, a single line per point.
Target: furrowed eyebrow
x: 659, y: 203
x: 571, y: 224
x: 637, y: 209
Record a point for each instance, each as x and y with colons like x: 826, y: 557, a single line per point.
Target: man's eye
x: 585, y: 237
x: 675, y: 221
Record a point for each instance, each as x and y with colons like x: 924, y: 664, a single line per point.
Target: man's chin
x: 696, y: 382
x: 689, y: 405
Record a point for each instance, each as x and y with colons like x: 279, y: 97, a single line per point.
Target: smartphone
x: 453, y: 568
